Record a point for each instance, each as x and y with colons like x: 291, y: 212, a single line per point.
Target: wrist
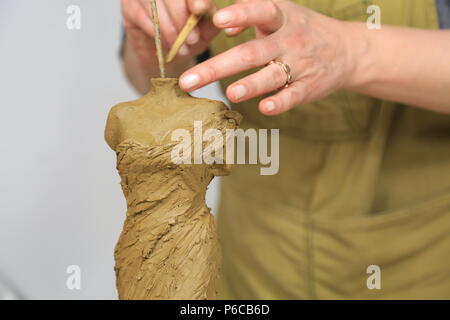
x: 360, y: 56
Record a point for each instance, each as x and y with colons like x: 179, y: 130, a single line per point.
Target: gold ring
x: 286, y: 69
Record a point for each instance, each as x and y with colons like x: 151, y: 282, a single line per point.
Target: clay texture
x: 168, y: 248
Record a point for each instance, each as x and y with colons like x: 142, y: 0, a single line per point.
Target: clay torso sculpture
x: 168, y: 248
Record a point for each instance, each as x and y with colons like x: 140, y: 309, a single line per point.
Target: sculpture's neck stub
x: 167, y: 87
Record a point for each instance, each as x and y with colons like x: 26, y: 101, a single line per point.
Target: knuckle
x: 271, y: 9
x: 251, y: 86
x: 170, y: 28
x: 241, y: 15
x: 286, y: 99
x: 297, y: 96
x: 135, y: 15
x: 279, y: 76
x: 286, y: 102
x: 210, y: 71
x: 170, y: 33
x: 295, y: 40
x: 290, y: 97
x: 249, y: 55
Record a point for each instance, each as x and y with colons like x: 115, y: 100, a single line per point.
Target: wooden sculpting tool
x: 159, y: 50
x: 190, y: 24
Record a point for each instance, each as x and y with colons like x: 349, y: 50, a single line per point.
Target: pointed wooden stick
x: 190, y: 24
x: 159, y: 50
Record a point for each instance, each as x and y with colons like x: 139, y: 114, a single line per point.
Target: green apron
x: 361, y: 182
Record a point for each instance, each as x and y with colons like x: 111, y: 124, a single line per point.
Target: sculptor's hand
x: 315, y: 47
x: 173, y: 14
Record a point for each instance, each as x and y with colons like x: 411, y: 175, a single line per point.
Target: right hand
x: 172, y: 14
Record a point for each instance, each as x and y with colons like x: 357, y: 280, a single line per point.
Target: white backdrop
x: 60, y: 197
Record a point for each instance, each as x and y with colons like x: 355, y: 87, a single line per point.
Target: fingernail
x: 224, y: 17
x: 228, y: 30
x: 193, y: 38
x: 239, y: 91
x: 270, y: 106
x: 184, y: 51
x: 190, y: 80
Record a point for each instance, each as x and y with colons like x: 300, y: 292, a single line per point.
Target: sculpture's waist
x: 169, y: 202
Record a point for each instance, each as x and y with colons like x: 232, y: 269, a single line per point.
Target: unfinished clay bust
x: 168, y: 248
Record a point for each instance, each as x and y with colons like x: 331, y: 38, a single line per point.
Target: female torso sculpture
x: 168, y: 248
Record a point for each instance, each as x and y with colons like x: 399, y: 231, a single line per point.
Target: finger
x: 246, y: 56
x: 168, y: 26
x: 168, y: 30
x: 265, y: 80
x: 232, y: 32
x: 264, y: 14
x: 135, y: 16
x: 207, y: 29
x: 178, y: 12
x: 141, y: 42
x: 193, y: 37
x: 180, y: 18
x: 284, y: 100
x: 200, y: 6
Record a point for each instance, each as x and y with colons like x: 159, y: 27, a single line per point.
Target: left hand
x: 318, y: 49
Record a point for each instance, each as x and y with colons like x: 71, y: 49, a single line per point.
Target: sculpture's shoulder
x: 124, y: 110
x: 210, y: 106
x: 207, y: 110
x: 119, y: 114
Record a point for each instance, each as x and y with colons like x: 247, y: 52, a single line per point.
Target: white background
x: 60, y: 197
